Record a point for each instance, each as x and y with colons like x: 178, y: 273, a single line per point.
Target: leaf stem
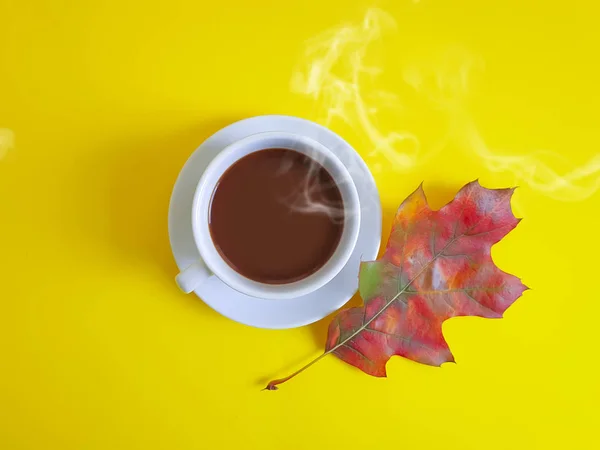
x: 272, y: 386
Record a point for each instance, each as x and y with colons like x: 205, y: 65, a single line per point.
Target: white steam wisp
x: 334, y: 73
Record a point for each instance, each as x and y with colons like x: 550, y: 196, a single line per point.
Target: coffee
x: 276, y: 216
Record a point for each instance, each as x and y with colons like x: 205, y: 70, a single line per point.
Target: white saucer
x: 259, y: 312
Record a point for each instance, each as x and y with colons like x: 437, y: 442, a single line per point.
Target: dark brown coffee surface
x: 269, y: 216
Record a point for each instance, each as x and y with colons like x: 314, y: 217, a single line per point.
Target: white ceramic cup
x: 212, y: 263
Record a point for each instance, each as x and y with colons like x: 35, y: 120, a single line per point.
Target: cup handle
x: 192, y: 276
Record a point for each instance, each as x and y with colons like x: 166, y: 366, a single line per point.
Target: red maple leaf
x: 437, y: 265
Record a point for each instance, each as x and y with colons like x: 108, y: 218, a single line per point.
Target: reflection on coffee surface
x: 276, y: 216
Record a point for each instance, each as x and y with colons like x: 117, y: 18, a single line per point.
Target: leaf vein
x: 358, y: 352
x: 403, y: 338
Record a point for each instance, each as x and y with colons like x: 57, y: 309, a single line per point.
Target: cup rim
x: 217, y: 264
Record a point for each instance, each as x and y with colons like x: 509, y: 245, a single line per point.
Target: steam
x: 445, y: 83
x: 310, y: 196
x: 7, y: 141
x: 536, y: 169
x: 334, y: 73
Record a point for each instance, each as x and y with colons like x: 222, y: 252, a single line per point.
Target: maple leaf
x: 437, y: 265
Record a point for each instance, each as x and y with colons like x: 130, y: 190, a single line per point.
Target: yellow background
x: 106, y: 99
